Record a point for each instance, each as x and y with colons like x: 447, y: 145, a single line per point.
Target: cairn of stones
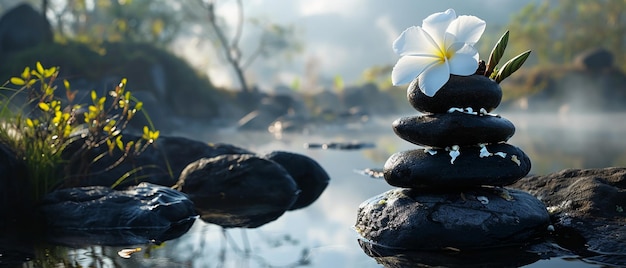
x: 451, y: 192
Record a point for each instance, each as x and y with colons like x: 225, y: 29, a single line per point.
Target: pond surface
x: 321, y: 235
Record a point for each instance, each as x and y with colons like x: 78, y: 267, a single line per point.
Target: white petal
x: 433, y: 78
x: 437, y: 24
x: 409, y: 67
x: 467, y: 29
x: 414, y: 40
x: 464, y: 61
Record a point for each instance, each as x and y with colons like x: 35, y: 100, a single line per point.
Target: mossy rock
x: 183, y: 89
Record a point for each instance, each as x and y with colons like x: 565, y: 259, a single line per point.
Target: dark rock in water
x: 475, y: 91
x: 15, y: 194
x: 433, y: 168
x: 589, y: 204
x: 23, y: 27
x: 154, y: 165
x: 238, y: 190
x: 442, y: 130
x: 140, y: 214
x: 595, y: 59
x: 310, y: 177
x: 270, y: 109
x: 472, y: 218
x: 340, y: 145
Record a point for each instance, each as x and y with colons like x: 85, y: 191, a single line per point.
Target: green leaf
x: 496, y: 53
x: 511, y: 66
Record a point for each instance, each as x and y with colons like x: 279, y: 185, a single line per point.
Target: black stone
x: 100, y: 215
x: 588, y: 208
x: 442, y: 130
x: 160, y: 164
x: 418, y: 168
x: 238, y: 190
x: 475, y: 91
x: 427, y: 219
x: 310, y: 177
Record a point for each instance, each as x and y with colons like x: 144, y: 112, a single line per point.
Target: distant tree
x: 556, y: 31
x: 154, y: 21
x: 274, y: 39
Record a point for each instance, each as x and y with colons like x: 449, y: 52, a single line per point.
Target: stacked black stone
x: 451, y: 193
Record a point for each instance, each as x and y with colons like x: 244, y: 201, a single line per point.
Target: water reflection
x: 321, y: 235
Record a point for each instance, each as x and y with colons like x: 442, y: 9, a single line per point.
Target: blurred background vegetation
x: 100, y: 40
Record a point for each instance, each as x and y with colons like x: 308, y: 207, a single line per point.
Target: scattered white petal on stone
x: 483, y: 151
x: 483, y: 111
x: 431, y: 151
x: 515, y: 160
x: 455, y: 109
x: 483, y: 200
x: 501, y: 154
x: 454, y: 153
x: 125, y: 253
x: 469, y: 110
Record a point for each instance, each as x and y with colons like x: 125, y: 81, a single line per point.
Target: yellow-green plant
x: 40, y: 128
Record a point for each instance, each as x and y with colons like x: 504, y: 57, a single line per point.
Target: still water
x: 321, y: 235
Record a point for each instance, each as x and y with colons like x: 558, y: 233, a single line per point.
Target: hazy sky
x: 344, y: 37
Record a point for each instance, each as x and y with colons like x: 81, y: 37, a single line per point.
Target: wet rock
x: 442, y: 130
x: 238, y: 190
x: 475, y: 91
x: 309, y: 176
x: 589, y: 204
x: 461, y: 219
x: 142, y: 213
x: 14, y: 186
x: 23, y: 27
x: 354, y: 145
x: 433, y: 168
x: 153, y: 165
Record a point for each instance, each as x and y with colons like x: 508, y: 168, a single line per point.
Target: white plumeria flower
x: 443, y: 45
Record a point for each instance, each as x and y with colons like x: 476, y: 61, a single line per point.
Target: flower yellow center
x: 444, y: 54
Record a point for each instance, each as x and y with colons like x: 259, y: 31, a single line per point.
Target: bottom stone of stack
x: 427, y: 219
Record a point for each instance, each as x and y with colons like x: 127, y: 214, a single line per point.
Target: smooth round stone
x: 419, y: 168
x: 427, y: 219
x: 475, y: 91
x: 441, y: 130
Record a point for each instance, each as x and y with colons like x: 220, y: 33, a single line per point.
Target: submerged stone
x: 141, y: 213
x: 504, y: 165
x: 310, y: 177
x: 475, y: 91
x: 447, y: 129
x: 238, y: 190
x: 419, y: 219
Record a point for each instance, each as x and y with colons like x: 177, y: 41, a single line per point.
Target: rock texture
x: 587, y: 208
x: 452, y: 194
x: 238, y: 190
x: 472, y: 218
x: 139, y: 214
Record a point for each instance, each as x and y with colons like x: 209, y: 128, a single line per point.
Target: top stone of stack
x: 475, y: 91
